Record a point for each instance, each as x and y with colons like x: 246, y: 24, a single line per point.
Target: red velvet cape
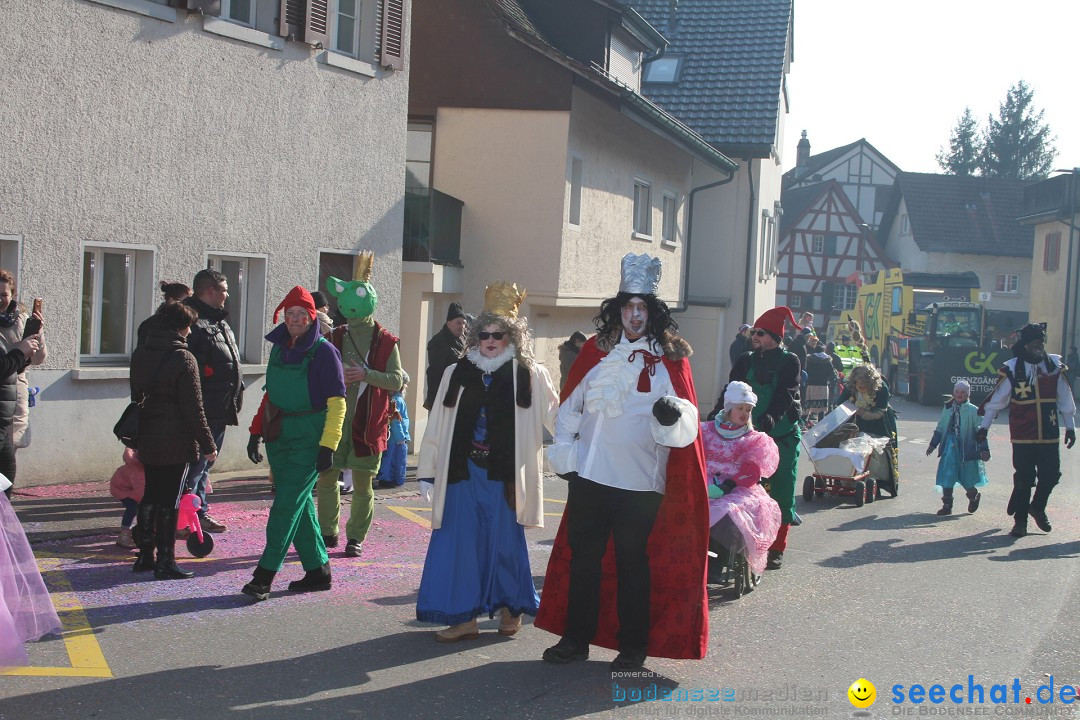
x: 678, y: 546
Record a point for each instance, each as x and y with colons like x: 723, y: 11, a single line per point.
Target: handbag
x: 126, y: 429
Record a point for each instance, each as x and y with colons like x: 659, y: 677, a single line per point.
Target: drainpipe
x: 1068, y: 330
x: 684, y: 299
x: 749, y: 236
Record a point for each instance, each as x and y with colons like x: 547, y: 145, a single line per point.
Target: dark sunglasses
x: 759, y: 333
x: 494, y: 335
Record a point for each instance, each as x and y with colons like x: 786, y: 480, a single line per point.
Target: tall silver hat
x: 640, y: 274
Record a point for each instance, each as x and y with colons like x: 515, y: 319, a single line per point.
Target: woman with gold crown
x: 482, y: 451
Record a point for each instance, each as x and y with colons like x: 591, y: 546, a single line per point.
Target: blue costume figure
x: 960, y: 455
x: 396, y: 455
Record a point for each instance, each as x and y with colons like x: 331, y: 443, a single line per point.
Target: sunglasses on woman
x: 484, y: 335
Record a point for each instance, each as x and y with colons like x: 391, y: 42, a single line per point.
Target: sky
x: 900, y: 73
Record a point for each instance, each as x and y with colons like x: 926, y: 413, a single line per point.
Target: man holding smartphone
x: 212, y: 343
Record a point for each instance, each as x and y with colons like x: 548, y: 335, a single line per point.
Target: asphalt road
x: 889, y: 592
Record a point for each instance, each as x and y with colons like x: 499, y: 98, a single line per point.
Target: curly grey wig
x: 519, y: 335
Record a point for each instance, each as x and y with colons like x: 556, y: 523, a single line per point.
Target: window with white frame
x: 844, y: 296
x: 241, y: 12
x: 817, y: 245
x: 117, y: 290
x: 246, y: 275
x: 642, y: 208
x: 352, y: 28
x: 669, y: 219
x: 1007, y: 283
x: 795, y: 301
x: 574, y: 211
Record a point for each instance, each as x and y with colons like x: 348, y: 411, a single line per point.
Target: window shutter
x: 316, y: 27
x: 827, y: 293
x: 291, y: 16
x: 830, y: 245
x: 391, y: 35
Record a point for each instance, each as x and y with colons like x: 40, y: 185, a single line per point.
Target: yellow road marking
x: 410, y: 514
x: 81, y: 643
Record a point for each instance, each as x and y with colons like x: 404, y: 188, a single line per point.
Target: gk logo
x: 978, y: 363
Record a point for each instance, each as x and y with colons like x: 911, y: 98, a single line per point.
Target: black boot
x: 166, y: 568
x: 259, y: 587
x: 317, y: 579
x: 946, y: 502
x: 1019, y: 527
x: 144, y: 537
x: 974, y: 496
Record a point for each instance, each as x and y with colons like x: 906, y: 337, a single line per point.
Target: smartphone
x: 33, y: 325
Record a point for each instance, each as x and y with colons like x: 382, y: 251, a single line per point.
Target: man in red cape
x: 672, y: 578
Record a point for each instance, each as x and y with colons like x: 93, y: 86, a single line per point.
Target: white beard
x: 490, y: 365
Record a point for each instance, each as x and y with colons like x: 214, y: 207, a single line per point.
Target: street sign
x: 984, y: 297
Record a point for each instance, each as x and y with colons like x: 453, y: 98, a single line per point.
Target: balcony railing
x: 1052, y: 196
x: 432, y: 227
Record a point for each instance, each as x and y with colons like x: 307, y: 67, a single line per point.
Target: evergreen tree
x: 965, y: 147
x: 1018, y: 143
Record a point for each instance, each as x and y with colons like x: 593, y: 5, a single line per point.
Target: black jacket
x: 214, y: 347
x: 172, y: 425
x: 11, y: 364
x: 443, y: 349
x: 568, y: 353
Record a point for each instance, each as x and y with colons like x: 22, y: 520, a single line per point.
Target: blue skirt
x: 952, y: 470
x: 478, y: 561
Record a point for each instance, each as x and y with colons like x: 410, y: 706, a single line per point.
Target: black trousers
x: 595, y: 513
x: 163, y: 484
x: 7, y: 454
x: 1036, y: 465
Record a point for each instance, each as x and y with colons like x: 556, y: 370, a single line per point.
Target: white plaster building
x: 143, y: 141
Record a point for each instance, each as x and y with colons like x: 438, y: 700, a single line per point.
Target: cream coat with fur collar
x: 529, y: 424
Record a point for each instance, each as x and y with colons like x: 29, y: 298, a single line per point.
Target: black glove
x: 666, y: 411
x: 728, y: 485
x: 766, y: 423
x: 326, y: 459
x: 1070, y: 438
x: 253, y: 449
x: 980, y: 436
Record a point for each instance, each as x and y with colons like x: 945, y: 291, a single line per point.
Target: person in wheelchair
x: 742, y: 516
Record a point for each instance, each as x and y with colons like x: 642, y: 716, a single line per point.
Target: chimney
x: 802, y: 154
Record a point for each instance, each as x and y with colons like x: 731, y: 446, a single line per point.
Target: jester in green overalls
x: 372, y: 367
x: 774, y: 374
x: 300, y: 418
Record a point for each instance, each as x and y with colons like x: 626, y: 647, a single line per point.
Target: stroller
x: 847, y: 463
x: 727, y: 559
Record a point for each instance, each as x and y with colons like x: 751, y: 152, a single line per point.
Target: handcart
x: 838, y: 471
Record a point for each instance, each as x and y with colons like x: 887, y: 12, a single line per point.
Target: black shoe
x: 1019, y: 529
x: 775, y: 560
x: 565, y: 651
x: 1041, y: 520
x: 259, y: 587
x: 330, y: 540
x: 945, y: 509
x: 353, y: 547
x: 313, y: 580
x: 628, y: 660
x: 973, y: 502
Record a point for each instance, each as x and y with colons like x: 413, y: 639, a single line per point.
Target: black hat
x: 320, y: 299
x: 1028, y: 333
x: 454, y: 312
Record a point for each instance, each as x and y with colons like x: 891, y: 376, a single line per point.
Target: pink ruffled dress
x: 26, y: 610
x: 744, y: 458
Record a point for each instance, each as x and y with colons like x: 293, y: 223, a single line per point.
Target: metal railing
x: 432, y: 227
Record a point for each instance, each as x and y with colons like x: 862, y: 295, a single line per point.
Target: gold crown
x: 362, y: 266
x: 503, y: 298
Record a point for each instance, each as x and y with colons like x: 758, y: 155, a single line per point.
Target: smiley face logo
x: 862, y: 693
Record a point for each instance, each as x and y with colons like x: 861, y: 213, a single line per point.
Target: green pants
x: 781, y: 484
x: 362, y: 510
x: 292, y: 516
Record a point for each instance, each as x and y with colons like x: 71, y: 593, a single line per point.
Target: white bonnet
x: 738, y: 393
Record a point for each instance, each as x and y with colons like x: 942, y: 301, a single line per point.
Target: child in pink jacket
x: 127, y: 486
x: 736, y: 458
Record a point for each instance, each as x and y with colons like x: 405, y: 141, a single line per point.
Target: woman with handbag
x: 172, y: 434
x: 300, y: 418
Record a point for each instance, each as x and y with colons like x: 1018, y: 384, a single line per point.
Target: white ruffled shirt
x: 606, y: 432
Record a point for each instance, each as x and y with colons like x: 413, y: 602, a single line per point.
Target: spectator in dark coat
x: 740, y: 344
x: 214, y: 347
x: 173, y: 433
x: 172, y: 292
x: 444, y: 347
x: 12, y: 362
x: 568, y: 353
